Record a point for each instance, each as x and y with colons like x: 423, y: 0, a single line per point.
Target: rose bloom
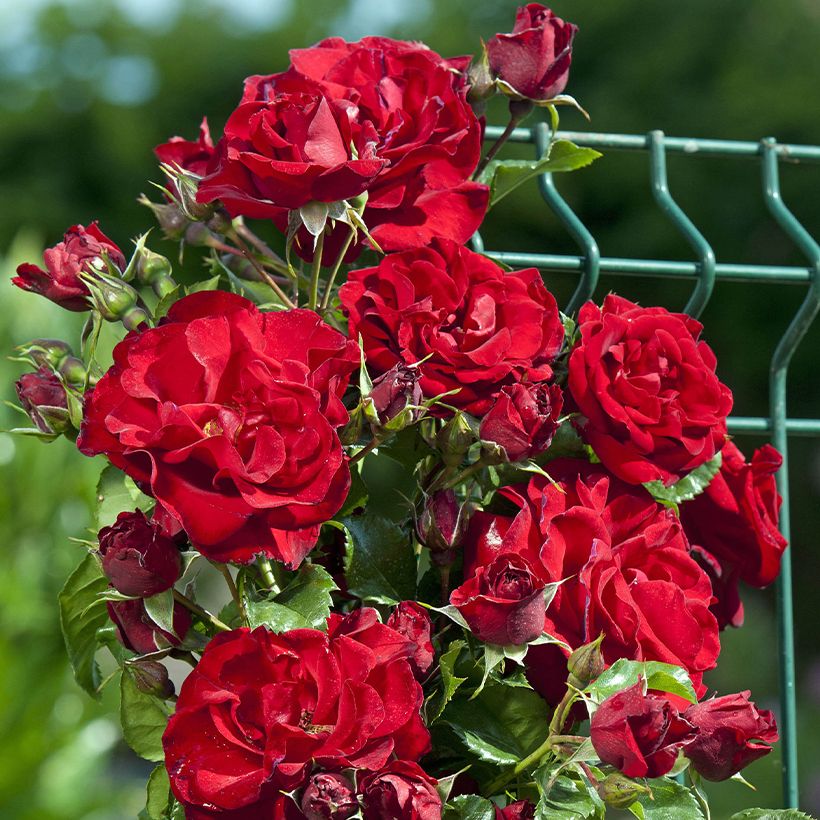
x: 733, y: 733
x: 534, y: 59
x: 520, y: 810
x: 411, y: 620
x: 260, y: 710
x: 626, y: 569
x: 82, y: 249
x: 137, y: 632
x: 228, y: 417
x: 329, y: 796
x: 652, y: 406
x: 639, y: 734
x: 190, y: 155
x: 404, y: 108
x: 472, y: 326
x: 402, y: 790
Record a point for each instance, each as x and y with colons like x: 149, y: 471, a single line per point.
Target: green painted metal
x: 706, y: 270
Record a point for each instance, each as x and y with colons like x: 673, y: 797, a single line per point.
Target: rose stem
x: 202, y: 613
x: 271, y: 282
x: 226, y: 573
x: 267, y: 574
x: 315, y: 270
x: 515, y: 118
x: 374, y: 443
x: 249, y: 236
x: 335, y: 270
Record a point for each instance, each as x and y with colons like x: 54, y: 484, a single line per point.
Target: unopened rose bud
x: 396, y: 397
x: 455, y: 439
x: 442, y: 525
x: 155, y: 270
x: 242, y: 267
x: 352, y: 431
x: 482, y: 83
x: 169, y: 216
x: 137, y: 632
x: 152, y: 678
x: 197, y: 235
x: 619, y: 792
x: 57, y: 356
x: 329, y: 796
x: 116, y: 301
x: 586, y: 663
x: 42, y: 395
x: 187, y: 185
x: 220, y: 222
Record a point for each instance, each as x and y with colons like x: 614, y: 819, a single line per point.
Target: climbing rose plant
x: 381, y: 533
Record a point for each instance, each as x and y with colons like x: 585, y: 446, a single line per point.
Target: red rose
x: 137, y: 558
x: 407, y: 106
x: 735, y: 518
x: 228, y: 417
x: 521, y: 810
x: 137, y: 632
x: 329, y: 796
x: 81, y: 250
x: 42, y: 395
x: 402, y: 790
x: 411, y: 620
x: 442, y: 525
x: 523, y: 419
x: 277, y: 807
x: 394, y: 391
x: 727, y: 606
x: 625, y: 564
x: 190, y: 155
x: 503, y: 603
x: 475, y: 327
x: 652, y: 406
x: 534, y: 60
x: 639, y: 734
x: 733, y: 733
x: 259, y: 710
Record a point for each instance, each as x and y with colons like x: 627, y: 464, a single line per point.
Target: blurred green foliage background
x: 88, y: 87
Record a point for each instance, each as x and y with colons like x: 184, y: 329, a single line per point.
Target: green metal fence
x: 705, y: 270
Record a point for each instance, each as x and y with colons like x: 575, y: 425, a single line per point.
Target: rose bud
x: 171, y: 220
x: 115, y: 300
x: 400, y: 791
x: 155, y: 270
x: 442, y: 526
x: 733, y: 732
x: 189, y: 155
x: 57, y: 356
x: 396, y: 397
x: 137, y: 632
x: 329, y: 796
x: 82, y: 250
x: 638, y: 733
x: 522, y: 420
x: 412, y: 621
x: 137, y: 558
x: 152, y: 678
x: 521, y: 810
x: 619, y: 792
x: 503, y: 603
x: 42, y: 395
x: 533, y: 61
x: 586, y: 663
x: 455, y: 439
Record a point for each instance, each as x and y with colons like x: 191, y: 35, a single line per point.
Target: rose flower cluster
x: 458, y: 535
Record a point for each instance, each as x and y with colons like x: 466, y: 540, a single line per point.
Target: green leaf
x: 670, y: 801
x: 449, y: 680
x: 502, y: 725
x: 469, y: 807
x: 689, y: 486
x: 303, y: 604
x: 205, y: 284
x: 82, y: 613
x: 143, y: 718
x: 160, y: 609
x: 117, y: 492
x: 380, y: 564
x: 665, y: 677
x: 565, y: 798
x: 504, y: 176
x: 770, y: 814
x: 357, y: 497
x: 164, y: 304
x: 158, y: 793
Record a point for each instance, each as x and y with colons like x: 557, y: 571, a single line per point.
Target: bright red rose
x: 735, y: 518
x: 652, y: 407
x: 639, y: 734
x: 503, y: 603
x: 411, y: 620
x: 81, y: 250
x: 626, y: 566
x: 521, y: 810
x: 190, y: 155
x: 137, y: 632
x: 137, y: 558
x: 228, y: 417
x: 407, y: 108
x: 329, y: 796
x: 42, y: 395
x: 402, y: 790
x: 733, y: 733
x: 475, y: 327
x: 259, y: 710
x: 534, y: 59
x: 523, y: 419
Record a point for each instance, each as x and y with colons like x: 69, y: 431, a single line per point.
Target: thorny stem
x: 249, y: 236
x: 269, y: 280
x: 459, y: 478
x: 202, y: 613
x: 315, y: 270
x: 496, y: 146
x: 374, y: 443
x: 335, y: 270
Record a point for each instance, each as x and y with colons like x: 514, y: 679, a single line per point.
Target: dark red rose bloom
x: 190, y: 155
x: 42, y: 395
x: 626, y: 566
x: 735, y: 518
x: 137, y: 558
x: 81, y: 249
x: 228, y: 417
x: 475, y: 327
x: 639, y: 734
x: 523, y: 419
x: 652, y: 406
x: 733, y: 733
x: 394, y: 390
x: 411, y: 620
x: 402, y: 790
x: 503, y: 603
x: 329, y: 796
x: 520, y: 810
x: 534, y: 59
x: 259, y: 710
x: 727, y: 606
x: 406, y: 108
x: 137, y: 632
x: 277, y: 807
